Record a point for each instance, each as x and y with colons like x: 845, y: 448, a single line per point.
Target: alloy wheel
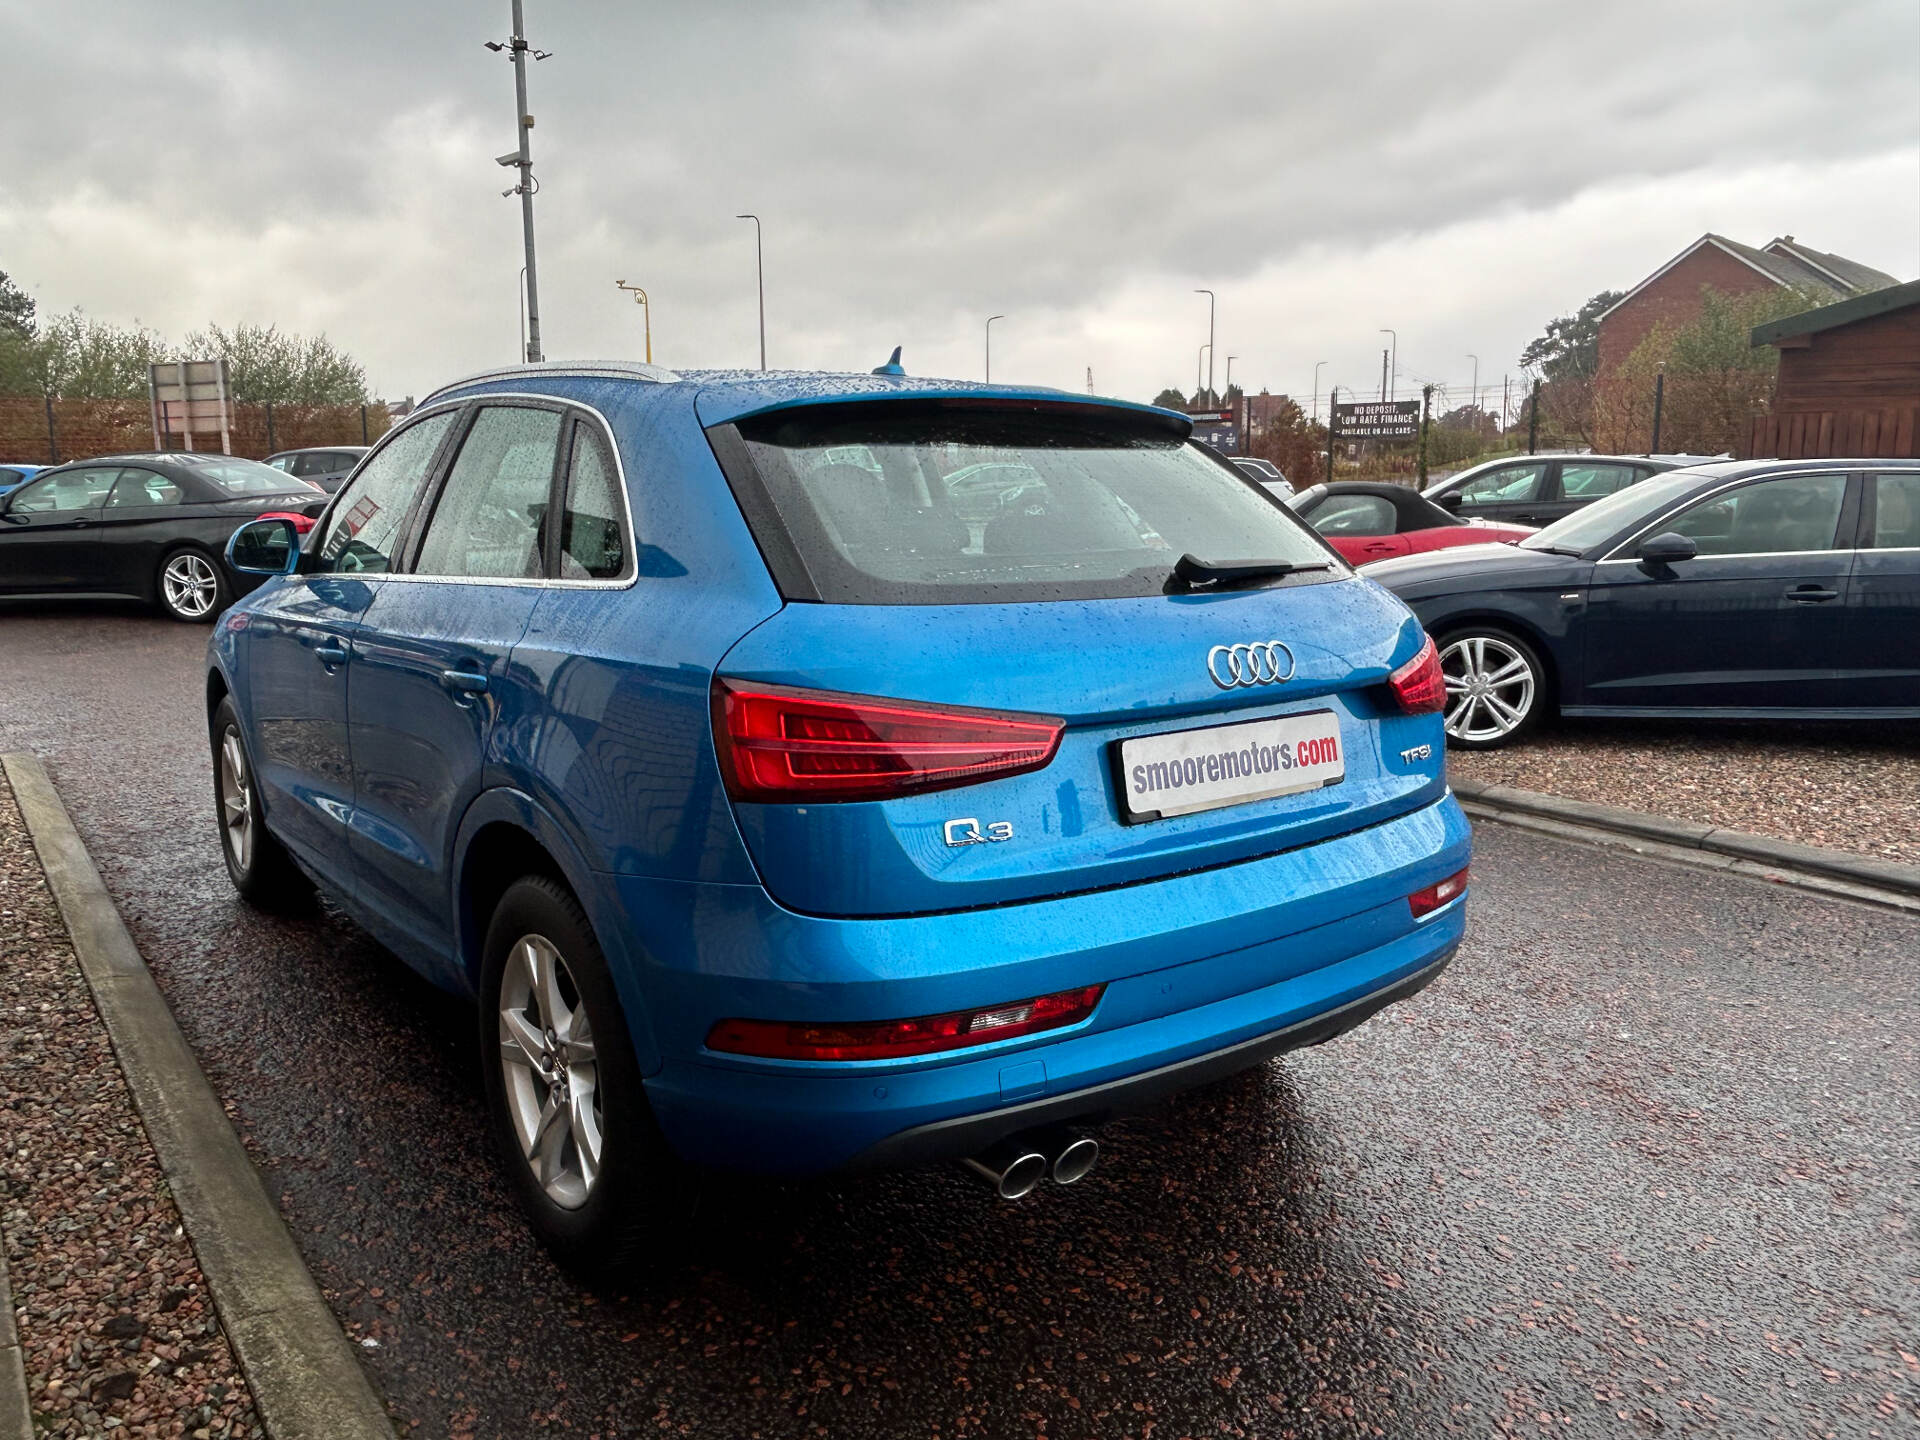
x: 552, y: 1074
x: 1490, y: 688
x: 189, y: 585
x: 236, y: 800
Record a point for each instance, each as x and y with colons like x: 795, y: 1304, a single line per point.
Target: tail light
x: 301, y: 523
x: 894, y: 1039
x: 778, y: 743
x: 1424, y: 902
x: 1419, y: 686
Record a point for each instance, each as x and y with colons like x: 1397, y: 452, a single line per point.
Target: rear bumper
x: 1206, y: 973
x: 970, y: 1134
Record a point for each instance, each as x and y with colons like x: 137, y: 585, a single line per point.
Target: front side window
x: 74, y: 490
x: 898, y: 503
x: 591, y: 543
x: 365, y: 521
x: 1896, y: 512
x: 1590, y: 482
x: 1509, y: 483
x: 490, y: 518
x: 1768, y: 517
x: 1355, y: 515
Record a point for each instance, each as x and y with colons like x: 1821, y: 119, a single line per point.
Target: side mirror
x: 1449, y: 501
x: 265, y: 547
x: 1667, y: 548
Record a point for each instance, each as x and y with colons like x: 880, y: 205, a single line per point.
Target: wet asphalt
x: 1644, y: 1161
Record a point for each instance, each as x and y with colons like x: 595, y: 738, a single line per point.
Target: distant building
x: 1849, y: 380
x: 1671, y: 295
x: 1262, y: 410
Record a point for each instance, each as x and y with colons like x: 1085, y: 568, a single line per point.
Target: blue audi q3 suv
x: 786, y: 809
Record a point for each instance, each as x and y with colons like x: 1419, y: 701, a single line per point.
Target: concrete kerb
x: 16, y: 1408
x: 1736, y: 849
x: 305, y: 1379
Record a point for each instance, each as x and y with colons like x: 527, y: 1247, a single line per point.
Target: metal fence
x: 34, y: 430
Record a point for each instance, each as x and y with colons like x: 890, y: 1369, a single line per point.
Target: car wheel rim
x: 189, y: 584
x: 1490, y: 688
x: 236, y: 800
x: 552, y: 1073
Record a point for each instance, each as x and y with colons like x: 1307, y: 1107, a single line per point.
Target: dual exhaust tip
x: 1015, y: 1166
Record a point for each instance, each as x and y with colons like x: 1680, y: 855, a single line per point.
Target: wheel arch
x: 1441, y: 628
x: 505, y: 835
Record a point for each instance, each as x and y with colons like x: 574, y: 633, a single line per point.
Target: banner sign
x: 1377, y: 420
x: 189, y: 397
x: 1216, y: 429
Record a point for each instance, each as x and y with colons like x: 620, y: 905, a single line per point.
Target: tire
x: 1498, y: 688
x: 191, y: 587
x: 601, y: 1217
x: 258, y: 865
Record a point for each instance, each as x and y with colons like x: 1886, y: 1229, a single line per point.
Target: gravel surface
x: 1852, y: 787
x: 1642, y: 1163
x: 116, y: 1325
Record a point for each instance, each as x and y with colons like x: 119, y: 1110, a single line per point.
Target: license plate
x: 1186, y: 771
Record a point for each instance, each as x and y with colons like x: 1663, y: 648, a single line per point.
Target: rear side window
x: 907, y: 504
x: 1896, y: 512
x: 490, y: 518
x: 591, y: 542
x: 365, y: 521
x: 1590, y: 482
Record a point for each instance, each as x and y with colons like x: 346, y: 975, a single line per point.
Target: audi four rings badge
x: 1263, y: 662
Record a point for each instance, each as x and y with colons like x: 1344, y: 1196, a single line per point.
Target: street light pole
x: 1210, y: 350
x: 760, y: 279
x: 1476, y: 382
x: 522, y: 159
x: 990, y: 320
x: 1199, y: 362
x: 1393, y: 369
x: 646, y: 307
x: 1315, y: 414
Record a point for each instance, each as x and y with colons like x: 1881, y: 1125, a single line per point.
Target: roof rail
x: 597, y: 369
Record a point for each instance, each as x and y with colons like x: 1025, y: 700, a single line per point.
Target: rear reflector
x: 779, y: 743
x: 1424, y: 902
x: 891, y: 1039
x: 1419, y: 687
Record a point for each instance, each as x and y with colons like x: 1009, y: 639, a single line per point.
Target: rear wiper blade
x: 1191, y: 570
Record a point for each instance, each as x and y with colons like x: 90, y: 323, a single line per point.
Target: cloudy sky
x: 1459, y: 172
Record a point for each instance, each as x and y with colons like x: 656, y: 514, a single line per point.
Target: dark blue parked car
x: 783, y: 818
x: 1784, y: 589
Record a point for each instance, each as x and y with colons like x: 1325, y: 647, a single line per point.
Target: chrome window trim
x: 543, y: 582
x: 1614, y: 557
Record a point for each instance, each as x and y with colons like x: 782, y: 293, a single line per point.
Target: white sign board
x: 190, y: 397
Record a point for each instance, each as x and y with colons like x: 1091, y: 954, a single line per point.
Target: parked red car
x: 1367, y: 521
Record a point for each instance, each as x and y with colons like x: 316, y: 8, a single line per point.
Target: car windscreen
x: 241, y: 477
x: 1594, y: 524
x: 904, y: 504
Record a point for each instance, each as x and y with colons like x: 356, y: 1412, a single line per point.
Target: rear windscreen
x: 899, y: 504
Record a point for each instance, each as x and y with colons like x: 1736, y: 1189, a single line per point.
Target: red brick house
x: 1672, y: 293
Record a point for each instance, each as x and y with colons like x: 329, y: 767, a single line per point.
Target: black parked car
x: 1786, y: 589
x: 325, y: 465
x: 151, y: 526
x: 1540, y: 489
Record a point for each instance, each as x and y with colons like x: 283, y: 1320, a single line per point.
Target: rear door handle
x: 464, y: 684
x: 331, y: 653
x: 1812, y: 594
